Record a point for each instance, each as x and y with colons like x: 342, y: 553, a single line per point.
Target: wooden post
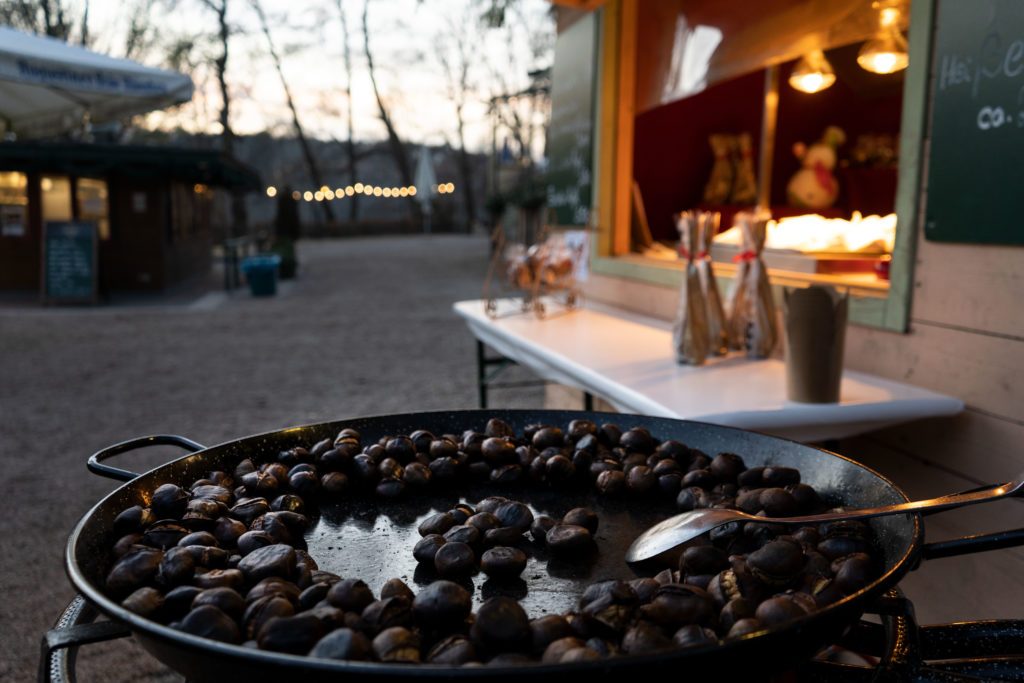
x: 769, y: 119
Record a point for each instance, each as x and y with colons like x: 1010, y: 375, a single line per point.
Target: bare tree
x: 307, y: 152
x: 454, y: 51
x: 139, y: 35
x: 350, y: 143
x: 53, y: 18
x: 513, y: 101
x: 239, y: 213
x: 398, y: 148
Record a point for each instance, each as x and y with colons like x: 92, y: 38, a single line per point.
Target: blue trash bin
x: 261, y: 273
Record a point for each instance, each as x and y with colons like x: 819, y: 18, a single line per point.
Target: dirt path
x: 367, y: 329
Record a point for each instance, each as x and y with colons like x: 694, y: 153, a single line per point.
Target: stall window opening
x: 835, y: 131
x: 13, y: 204
x: 82, y: 199
x: 93, y: 203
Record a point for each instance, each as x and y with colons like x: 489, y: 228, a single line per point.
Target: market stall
x: 142, y: 215
x: 79, y: 219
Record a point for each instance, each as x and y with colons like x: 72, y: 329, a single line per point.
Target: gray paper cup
x: 815, y: 322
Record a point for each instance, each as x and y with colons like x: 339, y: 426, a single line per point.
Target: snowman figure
x: 814, y: 186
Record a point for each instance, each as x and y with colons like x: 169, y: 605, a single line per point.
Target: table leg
x: 588, y: 401
x: 481, y: 378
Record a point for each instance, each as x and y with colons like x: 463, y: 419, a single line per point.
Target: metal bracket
x: 485, y: 380
x: 74, y: 628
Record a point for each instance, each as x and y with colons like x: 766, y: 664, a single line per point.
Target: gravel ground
x: 367, y: 329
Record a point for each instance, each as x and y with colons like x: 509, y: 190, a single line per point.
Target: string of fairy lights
x: 327, y: 194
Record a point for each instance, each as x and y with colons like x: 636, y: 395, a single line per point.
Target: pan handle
x: 74, y: 628
x: 96, y: 465
x: 973, y: 544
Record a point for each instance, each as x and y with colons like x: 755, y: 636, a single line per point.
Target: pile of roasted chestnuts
x: 451, y: 540
x: 223, y: 558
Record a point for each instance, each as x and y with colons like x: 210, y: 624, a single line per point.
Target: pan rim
x: 155, y: 630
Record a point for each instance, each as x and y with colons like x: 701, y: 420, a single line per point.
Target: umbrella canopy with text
x: 49, y: 87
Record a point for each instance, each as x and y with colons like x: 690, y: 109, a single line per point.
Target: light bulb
x: 886, y: 53
x: 812, y: 73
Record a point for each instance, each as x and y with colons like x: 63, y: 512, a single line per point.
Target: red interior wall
x: 671, y: 155
x: 672, y: 159
x: 858, y: 102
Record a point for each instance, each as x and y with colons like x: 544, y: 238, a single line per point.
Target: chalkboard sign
x: 69, y: 261
x: 977, y: 140
x: 570, y: 136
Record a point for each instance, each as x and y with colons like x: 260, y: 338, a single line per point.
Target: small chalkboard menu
x: 69, y: 262
x: 570, y: 136
x: 977, y: 139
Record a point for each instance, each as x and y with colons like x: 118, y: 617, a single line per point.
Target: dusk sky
x: 406, y: 36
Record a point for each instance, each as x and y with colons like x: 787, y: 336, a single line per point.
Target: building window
x: 13, y: 204
x: 56, y: 194
x: 91, y: 196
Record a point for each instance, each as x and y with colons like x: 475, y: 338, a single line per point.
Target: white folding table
x: 627, y: 360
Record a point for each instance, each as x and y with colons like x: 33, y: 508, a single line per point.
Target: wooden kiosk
x: 948, y: 316
x: 150, y: 209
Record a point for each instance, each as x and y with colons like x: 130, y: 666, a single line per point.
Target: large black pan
x: 372, y: 540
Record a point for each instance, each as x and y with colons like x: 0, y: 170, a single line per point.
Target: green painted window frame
x: 891, y: 312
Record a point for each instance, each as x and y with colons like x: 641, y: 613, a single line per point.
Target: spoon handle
x: 954, y: 500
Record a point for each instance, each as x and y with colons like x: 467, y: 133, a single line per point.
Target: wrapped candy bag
x: 718, y: 337
x: 690, y: 331
x: 736, y: 319
x: 761, y: 323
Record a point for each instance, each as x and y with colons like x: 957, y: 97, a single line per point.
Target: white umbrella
x: 48, y: 87
x: 426, y: 183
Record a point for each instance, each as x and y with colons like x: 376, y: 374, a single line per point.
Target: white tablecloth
x: 627, y: 360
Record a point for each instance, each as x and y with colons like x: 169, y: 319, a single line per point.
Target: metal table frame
x: 489, y: 368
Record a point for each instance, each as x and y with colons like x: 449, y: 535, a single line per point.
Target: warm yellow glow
x: 812, y: 73
x: 412, y: 191
x: 449, y: 188
x: 46, y: 184
x: 307, y: 195
x: 386, y: 191
x: 324, y: 189
x: 368, y: 190
x: 338, y: 191
x: 318, y: 195
x: 271, y: 191
x: 441, y: 189
x: 358, y: 187
x: 886, y: 53
x: 403, y: 192
x: 880, y: 59
x: 349, y: 191
x: 16, y: 180
x: 199, y: 188
x: 296, y: 195
x: 813, y: 82
x: 328, y: 194
x: 377, y: 192
x: 812, y: 233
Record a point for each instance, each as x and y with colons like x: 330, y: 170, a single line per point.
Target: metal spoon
x: 677, y: 530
